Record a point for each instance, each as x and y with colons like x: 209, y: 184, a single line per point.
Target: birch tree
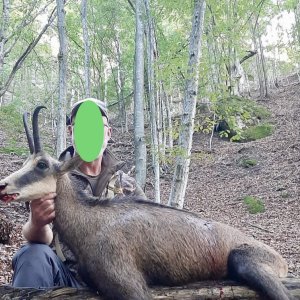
x: 139, y: 132
x: 152, y: 102
x: 180, y: 177
x: 62, y: 61
x: 86, y: 42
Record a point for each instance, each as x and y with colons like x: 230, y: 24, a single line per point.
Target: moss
x: 254, y: 205
x: 257, y: 132
x: 238, y: 113
x: 248, y: 162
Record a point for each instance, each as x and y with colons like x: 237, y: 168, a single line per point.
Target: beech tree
x: 180, y: 177
x: 62, y: 60
x: 152, y: 103
x: 139, y: 132
x: 86, y: 42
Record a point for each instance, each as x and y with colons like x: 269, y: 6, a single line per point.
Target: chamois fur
x: 124, y: 245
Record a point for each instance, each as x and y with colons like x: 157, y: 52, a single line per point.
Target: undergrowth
x: 254, y: 205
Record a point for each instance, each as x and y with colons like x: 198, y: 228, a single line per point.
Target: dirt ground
x: 218, y: 183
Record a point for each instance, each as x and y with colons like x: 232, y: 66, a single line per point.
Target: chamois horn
x: 35, y: 129
x: 28, y: 134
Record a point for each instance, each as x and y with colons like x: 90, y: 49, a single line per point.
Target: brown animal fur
x: 124, y: 245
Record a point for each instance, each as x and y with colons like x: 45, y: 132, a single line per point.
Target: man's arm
x: 42, y: 213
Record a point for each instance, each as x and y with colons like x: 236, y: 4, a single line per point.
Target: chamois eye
x: 42, y: 165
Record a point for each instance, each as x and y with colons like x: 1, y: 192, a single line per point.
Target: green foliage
x: 248, y: 162
x: 228, y: 108
x: 257, y: 132
x: 12, y: 127
x: 227, y: 31
x: 171, y: 154
x: 236, y: 111
x: 254, y: 205
x: 11, y: 120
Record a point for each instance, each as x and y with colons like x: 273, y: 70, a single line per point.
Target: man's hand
x: 42, y: 210
x: 42, y: 213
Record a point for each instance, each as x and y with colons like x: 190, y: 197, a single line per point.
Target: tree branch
x: 27, y: 51
x: 251, y: 53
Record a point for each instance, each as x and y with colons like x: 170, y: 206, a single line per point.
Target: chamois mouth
x: 8, y: 197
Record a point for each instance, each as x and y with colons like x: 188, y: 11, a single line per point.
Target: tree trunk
x: 206, y: 290
x: 105, y: 78
x: 120, y: 87
x: 86, y: 42
x: 180, y: 177
x: 297, y: 18
x: 139, y: 132
x: 152, y: 102
x: 256, y: 38
x: 4, y: 25
x: 169, y: 121
x: 62, y: 61
x: 163, y: 113
x: 263, y: 67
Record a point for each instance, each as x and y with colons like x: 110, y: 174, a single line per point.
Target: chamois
x: 124, y: 245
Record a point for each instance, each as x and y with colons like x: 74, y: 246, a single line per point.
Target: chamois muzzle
x: 4, y: 196
x: 2, y: 186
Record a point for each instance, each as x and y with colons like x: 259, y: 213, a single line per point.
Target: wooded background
x: 157, y: 63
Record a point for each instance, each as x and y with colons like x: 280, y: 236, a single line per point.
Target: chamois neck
x: 65, y: 189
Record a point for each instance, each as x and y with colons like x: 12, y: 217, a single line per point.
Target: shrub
x: 254, y: 205
x: 248, y: 162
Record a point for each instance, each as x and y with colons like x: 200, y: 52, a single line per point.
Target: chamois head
x: 40, y: 172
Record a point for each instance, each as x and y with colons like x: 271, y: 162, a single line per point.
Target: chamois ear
x: 69, y: 164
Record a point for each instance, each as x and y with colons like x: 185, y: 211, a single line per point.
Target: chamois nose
x: 2, y: 186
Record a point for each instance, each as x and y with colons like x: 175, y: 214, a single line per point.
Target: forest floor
x: 218, y: 183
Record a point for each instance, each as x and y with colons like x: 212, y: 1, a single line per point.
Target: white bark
x: 3, y: 29
x: 139, y: 132
x: 297, y: 18
x: 86, y: 42
x: 62, y: 61
x: 169, y: 121
x: 152, y: 102
x: 259, y: 59
x: 263, y: 67
x: 180, y: 177
x: 120, y: 85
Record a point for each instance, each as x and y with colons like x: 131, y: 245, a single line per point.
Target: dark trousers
x: 37, y: 266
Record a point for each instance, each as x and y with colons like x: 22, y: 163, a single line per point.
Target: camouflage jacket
x: 112, y: 182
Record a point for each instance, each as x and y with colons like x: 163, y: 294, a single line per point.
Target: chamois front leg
x: 115, y: 275
x: 121, y: 284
